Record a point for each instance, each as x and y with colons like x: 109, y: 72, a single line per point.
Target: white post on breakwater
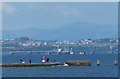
x: 98, y: 62
x: 115, y: 62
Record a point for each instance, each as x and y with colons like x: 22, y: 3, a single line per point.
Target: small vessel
x: 82, y: 53
x: 71, y: 52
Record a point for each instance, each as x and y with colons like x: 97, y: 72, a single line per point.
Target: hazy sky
x: 21, y: 15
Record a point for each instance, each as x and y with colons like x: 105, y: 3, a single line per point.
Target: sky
x: 60, y: 20
x: 52, y: 15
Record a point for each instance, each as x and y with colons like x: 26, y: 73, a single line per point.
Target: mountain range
x: 76, y: 31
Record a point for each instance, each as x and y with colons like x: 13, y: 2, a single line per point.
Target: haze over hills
x: 76, y: 31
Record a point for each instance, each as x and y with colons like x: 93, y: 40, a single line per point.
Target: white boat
x: 71, y: 52
x: 82, y: 53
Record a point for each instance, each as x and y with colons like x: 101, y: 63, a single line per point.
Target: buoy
x: 43, y: 59
x: 115, y: 62
x: 98, y: 62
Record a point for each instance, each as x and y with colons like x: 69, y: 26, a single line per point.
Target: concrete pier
x: 30, y: 65
x: 69, y: 63
x: 78, y: 62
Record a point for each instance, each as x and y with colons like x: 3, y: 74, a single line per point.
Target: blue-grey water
x: 106, y: 69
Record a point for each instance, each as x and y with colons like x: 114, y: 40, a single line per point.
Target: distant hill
x: 74, y: 31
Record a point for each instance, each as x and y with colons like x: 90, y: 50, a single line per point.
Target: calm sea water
x: 106, y: 69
